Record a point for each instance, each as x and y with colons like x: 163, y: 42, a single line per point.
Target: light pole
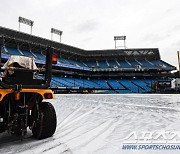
x: 178, y: 53
x: 56, y: 31
x: 25, y: 21
x: 116, y: 38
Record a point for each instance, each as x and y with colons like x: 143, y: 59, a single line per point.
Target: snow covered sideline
x: 98, y: 124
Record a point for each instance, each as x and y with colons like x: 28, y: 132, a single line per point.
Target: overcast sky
x: 92, y: 24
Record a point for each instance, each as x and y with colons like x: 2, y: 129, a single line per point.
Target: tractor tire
x: 46, y: 125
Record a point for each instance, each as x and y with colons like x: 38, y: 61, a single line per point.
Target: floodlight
x: 56, y: 31
x: 116, y: 38
x: 119, y: 37
x: 25, y: 21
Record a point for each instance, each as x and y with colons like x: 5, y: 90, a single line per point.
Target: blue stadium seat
x: 52, y: 84
x: 130, y: 86
x: 64, y: 81
x: 3, y: 51
x: 93, y: 84
x: 102, y: 83
x: 27, y: 53
x: 115, y: 84
x: 80, y: 63
x: 69, y: 61
x: 134, y: 63
x: 160, y: 64
x: 91, y: 63
x: 85, y: 83
x: 146, y: 64
x: 103, y: 64
x: 124, y: 64
x: 142, y: 84
x: 39, y: 55
x: 57, y: 83
x: 157, y: 63
x: 118, y: 86
x: 13, y: 51
x: 113, y: 64
x: 76, y: 63
x: 64, y: 61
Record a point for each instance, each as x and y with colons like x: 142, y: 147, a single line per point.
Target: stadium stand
x: 106, y: 71
x: 142, y: 85
x: 12, y: 51
x: 27, y: 53
x: 39, y: 56
x: 113, y: 64
x: 103, y: 64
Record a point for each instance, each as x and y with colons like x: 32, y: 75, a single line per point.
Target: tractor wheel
x: 45, y: 126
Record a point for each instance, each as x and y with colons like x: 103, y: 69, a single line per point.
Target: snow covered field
x: 98, y: 124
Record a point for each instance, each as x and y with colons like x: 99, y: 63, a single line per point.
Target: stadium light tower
x: 116, y: 38
x: 56, y: 31
x: 25, y: 21
x: 178, y: 53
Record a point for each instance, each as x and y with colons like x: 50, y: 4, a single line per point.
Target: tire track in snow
x: 78, y: 135
x: 69, y: 130
x: 89, y: 136
x: 66, y: 123
x: 144, y: 106
x: 57, y: 148
x: 81, y: 116
x: 71, y: 115
x: 35, y: 145
x: 100, y: 139
x: 135, y: 105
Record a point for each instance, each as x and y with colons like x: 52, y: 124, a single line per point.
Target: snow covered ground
x: 98, y: 124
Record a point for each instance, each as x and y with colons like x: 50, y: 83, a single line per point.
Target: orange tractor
x: 22, y: 95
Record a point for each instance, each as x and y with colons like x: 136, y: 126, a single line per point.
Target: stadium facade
x: 101, y: 71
